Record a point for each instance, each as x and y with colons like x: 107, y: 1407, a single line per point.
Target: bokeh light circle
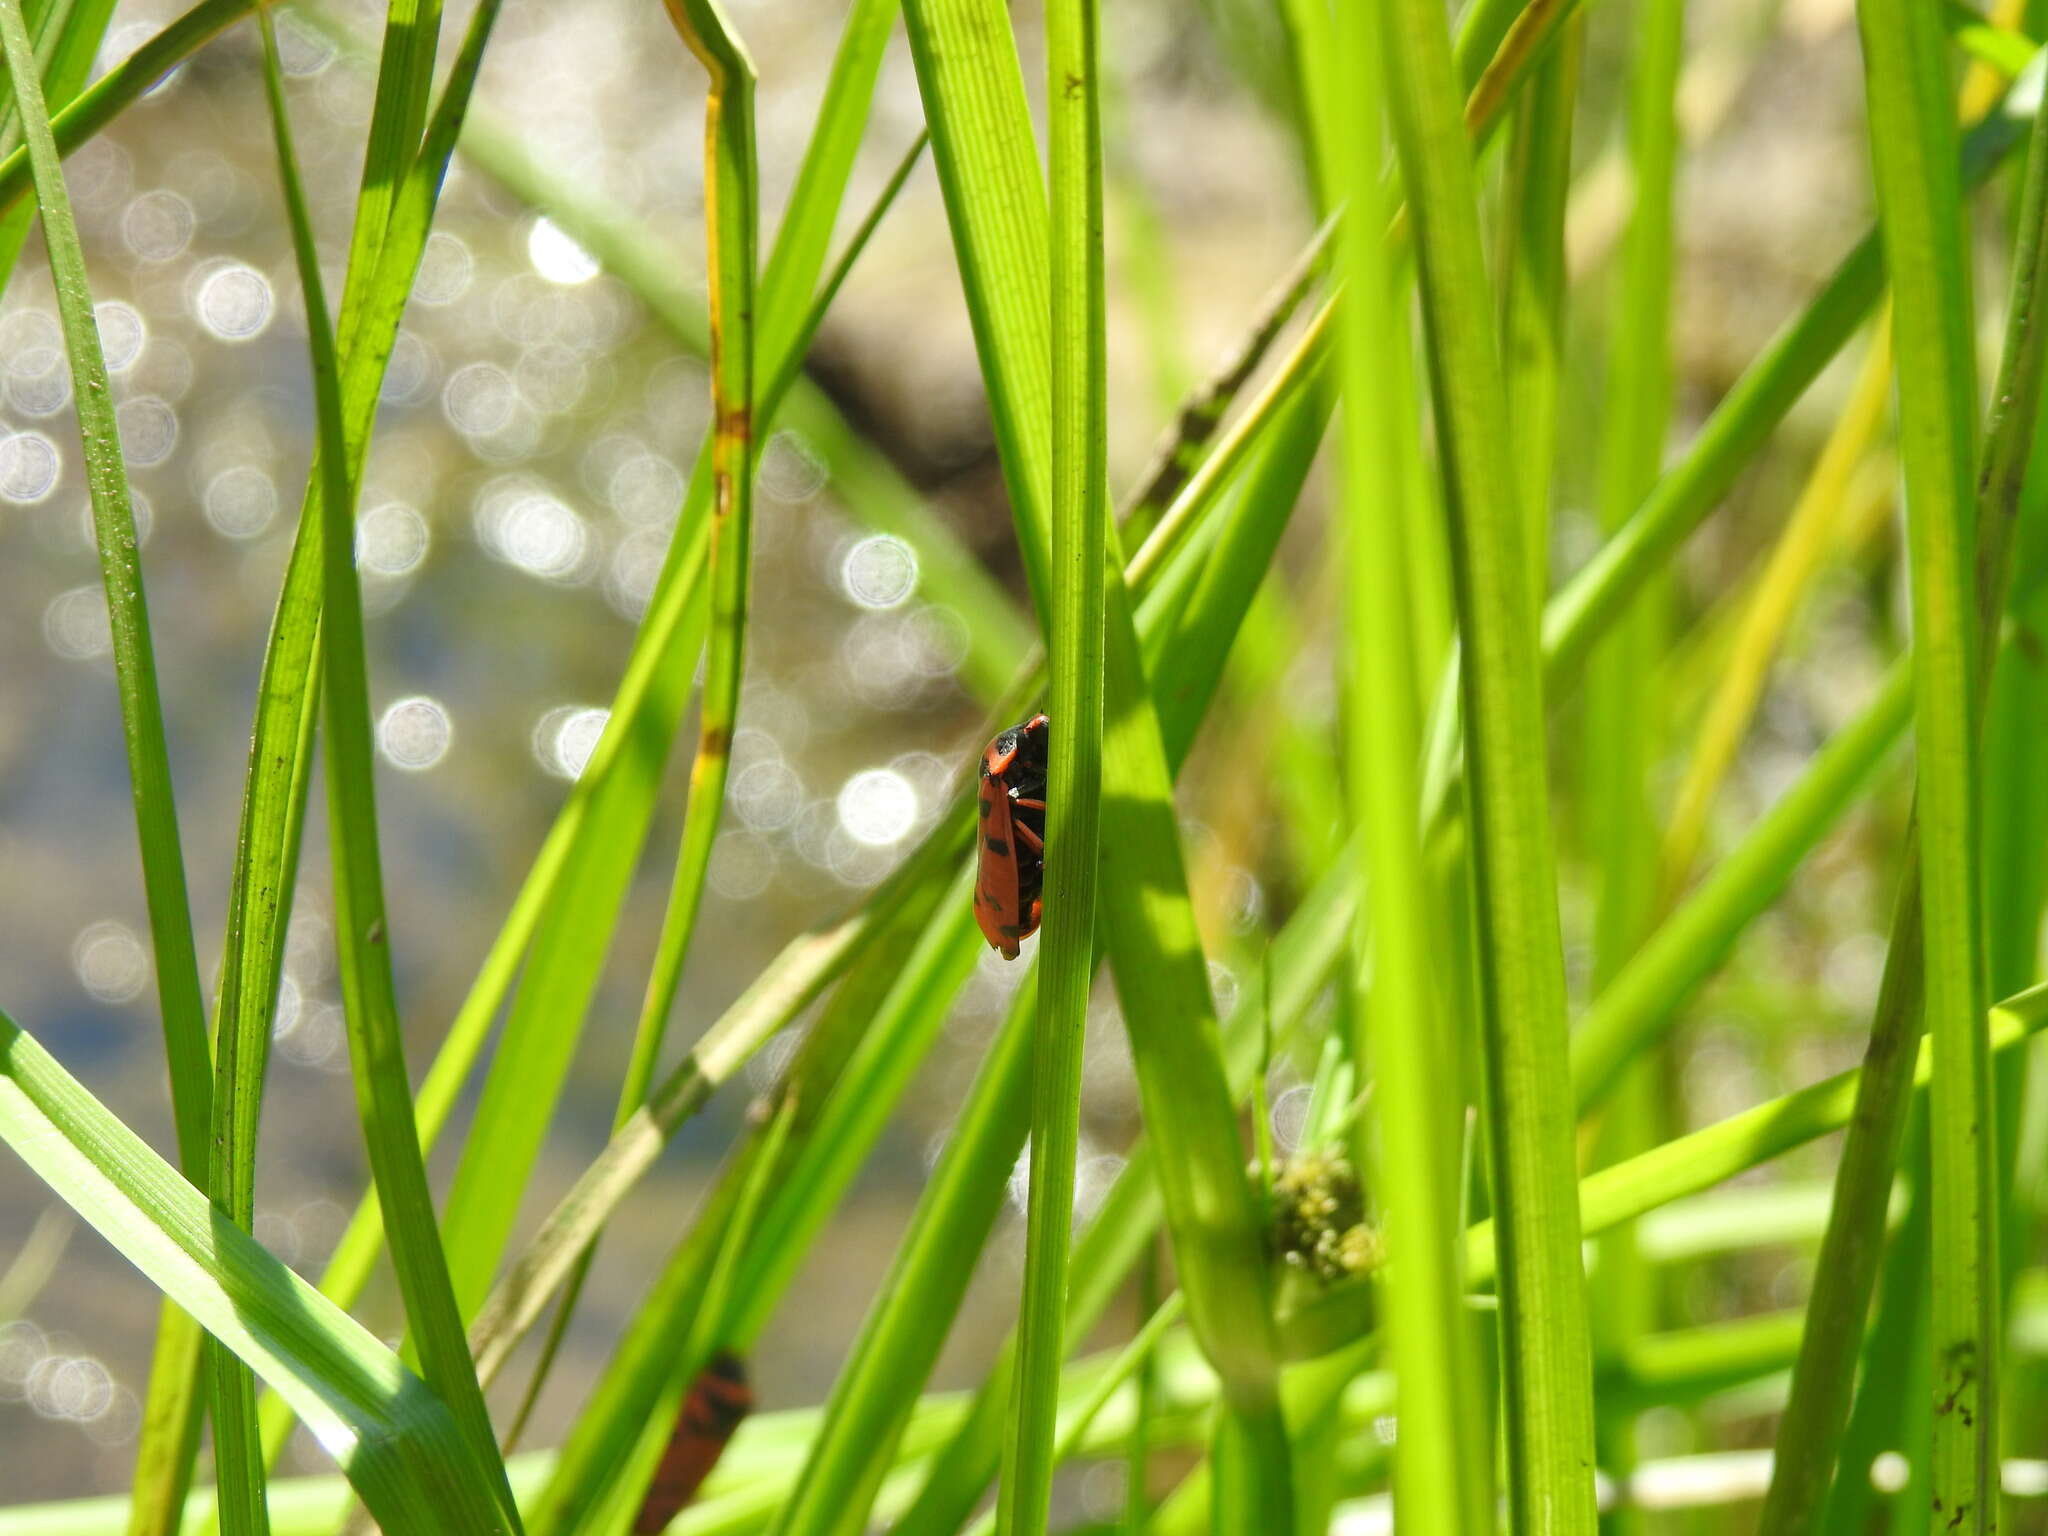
x: 110, y: 962
x: 877, y: 807
x: 234, y: 302
x: 415, y: 733
x: 879, y: 572
x: 29, y: 465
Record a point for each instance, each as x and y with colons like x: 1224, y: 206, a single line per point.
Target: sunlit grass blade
x: 1625, y: 701
x: 1080, y: 518
x: 1445, y: 1472
x: 1546, y: 1361
x: 1812, y: 1429
x: 1530, y: 271
x: 389, y: 1432
x: 1912, y: 128
x: 142, y: 726
x: 373, y: 299
x: 363, y: 945
x: 730, y: 219
x: 173, y: 1425
x: 252, y: 962
x: 993, y: 187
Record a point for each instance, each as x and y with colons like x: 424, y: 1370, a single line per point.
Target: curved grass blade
x: 393, y: 1437
x: 142, y: 726
x: 1545, y: 1349
x: 252, y: 962
x: 373, y: 299
x: 376, y: 1047
x: 730, y: 217
x: 173, y: 1424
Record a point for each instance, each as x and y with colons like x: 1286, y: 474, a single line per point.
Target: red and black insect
x: 712, y: 1409
x: 1006, y: 897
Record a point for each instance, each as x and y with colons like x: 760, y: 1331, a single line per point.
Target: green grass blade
x: 989, y: 175
x: 1812, y: 1429
x: 70, y: 39
x: 392, y: 1436
x: 791, y: 276
x: 166, y: 1452
x: 1625, y: 701
x: 1080, y: 517
x: 1531, y: 273
x: 376, y: 1047
x: 375, y: 295
x: 1547, y: 1365
x: 398, y: 115
x: 1445, y: 1474
x: 1912, y: 127
x: 142, y: 727
x: 730, y: 181
x: 252, y: 963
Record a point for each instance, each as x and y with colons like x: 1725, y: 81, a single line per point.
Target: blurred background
x: 538, y: 427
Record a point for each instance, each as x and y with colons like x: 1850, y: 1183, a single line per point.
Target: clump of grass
x: 1451, y: 1131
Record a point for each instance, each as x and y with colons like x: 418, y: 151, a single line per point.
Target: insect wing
x: 996, y: 895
